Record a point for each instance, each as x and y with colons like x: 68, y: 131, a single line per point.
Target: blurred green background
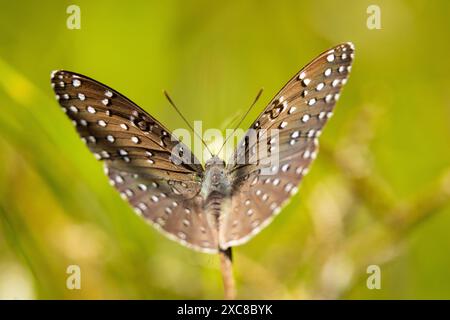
x: 377, y: 194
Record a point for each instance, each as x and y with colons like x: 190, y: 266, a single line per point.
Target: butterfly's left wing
x: 299, y: 111
x: 152, y: 170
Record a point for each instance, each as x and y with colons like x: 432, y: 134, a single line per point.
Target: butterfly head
x: 214, y: 161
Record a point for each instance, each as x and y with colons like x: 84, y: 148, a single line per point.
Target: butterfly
x: 221, y: 205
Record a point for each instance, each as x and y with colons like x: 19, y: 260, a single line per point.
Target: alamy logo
x: 74, y: 18
x: 73, y: 281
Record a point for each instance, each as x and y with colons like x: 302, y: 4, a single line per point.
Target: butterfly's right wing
x: 151, y: 169
x: 299, y: 111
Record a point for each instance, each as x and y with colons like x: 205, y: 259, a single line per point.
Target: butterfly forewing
x: 161, y: 185
x: 299, y: 111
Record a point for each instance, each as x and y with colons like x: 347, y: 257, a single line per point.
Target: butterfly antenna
x: 186, y: 121
x: 233, y: 120
x: 242, y: 119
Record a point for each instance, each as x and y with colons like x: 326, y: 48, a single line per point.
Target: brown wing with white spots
x: 151, y: 169
x: 299, y: 112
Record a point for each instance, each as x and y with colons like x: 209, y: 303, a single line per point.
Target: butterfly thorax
x: 215, y: 182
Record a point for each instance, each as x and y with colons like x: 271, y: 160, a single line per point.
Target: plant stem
x: 227, y: 274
